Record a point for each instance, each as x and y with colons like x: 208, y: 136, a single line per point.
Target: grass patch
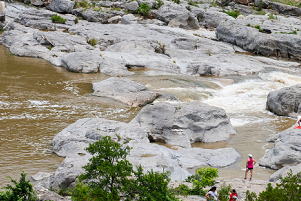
x: 232, y: 13
x: 272, y: 17
x: 57, y: 19
x: 259, y: 13
x: 176, y: 1
x: 143, y: 9
x: 258, y: 27
x: 157, y: 4
x: 188, y: 8
x: 293, y: 32
x: 192, y: 3
x: 82, y: 4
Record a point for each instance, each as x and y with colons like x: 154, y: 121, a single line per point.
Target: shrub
x: 182, y: 189
x: 258, y: 27
x: 233, y: 13
x: 223, y: 192
x: 293, y: 32
x: 289, y: 188
x: 177, y: 1
x: 188, y: 8
x: 1, y: 29
x: 107, y: 176
x: 271, y: 16
x: 157, y: 4
x: 57, y: 19
x: 92, y: 41
x: 203, y: 177
x: 143, y: 9
x: 23, y: 190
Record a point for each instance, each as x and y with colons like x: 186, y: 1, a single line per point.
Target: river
x: 38, y: 100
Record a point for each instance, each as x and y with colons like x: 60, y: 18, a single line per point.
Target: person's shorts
x: 250, y: 168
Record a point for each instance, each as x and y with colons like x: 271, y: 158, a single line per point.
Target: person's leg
x: 246, y: 173
x: 251, y: 174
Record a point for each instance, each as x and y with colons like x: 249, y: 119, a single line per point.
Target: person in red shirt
x: 232, y: 193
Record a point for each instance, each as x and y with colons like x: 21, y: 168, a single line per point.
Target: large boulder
x: 177, y: 16
x: 185, y: 123
x: 285, y: 9
x: 285, y: 102
x: 124, y: 91
x: 252, y: 40
x: 283, y: 172
x: 286, y: 150
x: 61, y: 6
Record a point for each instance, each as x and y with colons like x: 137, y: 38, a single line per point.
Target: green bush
x: 23, y: 190
x: 107, y: 175
x: 233, y: 13
x: 203, y: 177
x: 157, y: 4
x: 182, y: 189
x: 188, y: 8
x: 223, y: 192
x: 92, y: 41
x: 143, y: 9
x: 289, y: 188
x: 57, y: 19
x: 293, y: 32
x: 258, y: 27
x: 177, y: 1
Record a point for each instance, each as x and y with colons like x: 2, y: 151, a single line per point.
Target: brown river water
x: 38, y: 100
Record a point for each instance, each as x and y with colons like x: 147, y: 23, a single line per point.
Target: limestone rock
x: 37, y: 2
x: 115, y: 20
x: 283, y: 172
x: 129, y: 19
x: 285, y: 9
x: 132, y: 6
x: 46, y: 194
x: 286, y: 150
x: 124, y: 91
x: 61, y: 6
x: 286, y: 101
x: 40, y: 176
x: 185, y: 123
x: 177, y: 16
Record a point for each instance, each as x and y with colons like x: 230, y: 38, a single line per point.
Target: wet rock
x: 61, y: 6
x: 283, y: 172
x: 185, y: 123
x: 285, y: 102
x: 286, y: 150
x: 124, y: 91
x: 285, y: 9
x: 177, y: 16
x: 129, y: 19
x: 40, y: 176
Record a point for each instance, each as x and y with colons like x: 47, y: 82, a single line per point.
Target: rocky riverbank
x: 188, y: 38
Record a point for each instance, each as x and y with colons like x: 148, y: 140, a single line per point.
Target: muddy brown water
x: 38, y: 100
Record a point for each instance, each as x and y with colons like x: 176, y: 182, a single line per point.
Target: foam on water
x: 284, y: 78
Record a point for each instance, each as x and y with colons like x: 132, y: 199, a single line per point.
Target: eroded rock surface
x: 124, y: 91
x: 286, y: 150
x: 285, y: 102
x: 184, y: 123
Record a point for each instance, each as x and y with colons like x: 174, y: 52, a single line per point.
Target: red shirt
x: 231, y: 196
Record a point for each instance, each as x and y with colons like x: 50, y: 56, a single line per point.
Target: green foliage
x: 157, y: 4
x: 160, y: 49
x: 289, y: 2
x: 92, y: 41
x: 293, y: 32
x: 151, y: 186
x: 107, y: 176
x: 177, y: 1
x: 223, y: 192
x: 233, y: 13
x: 258, y: 27
x: 23, y: 190
x: 272, y: 17
x: 57, y: 19
x: 182, y: 189
x: 143, y: 9
x: 188, y: 8
x: 203, y: 177
x: 1, y: 30
x: 192, y: 3
x: 108, y: 169
x: 289, y: 188
x: 249, y: 25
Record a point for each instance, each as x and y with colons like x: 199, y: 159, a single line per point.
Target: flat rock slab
x: 286, y: 150
x: 185, y: 123
x: 283, y: 172
x: 124, y: 91
x: 286, y: 101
